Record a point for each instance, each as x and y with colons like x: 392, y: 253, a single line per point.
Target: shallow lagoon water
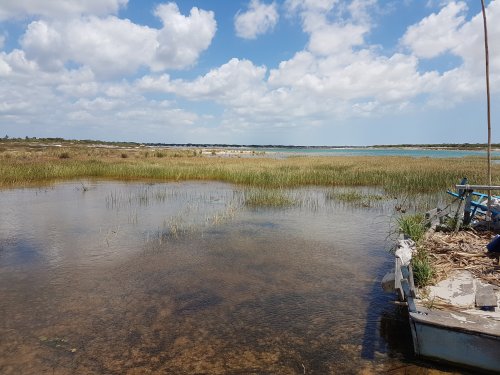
x: 114, y: 278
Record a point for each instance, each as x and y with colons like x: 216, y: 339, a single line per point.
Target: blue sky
x: 304, y: 72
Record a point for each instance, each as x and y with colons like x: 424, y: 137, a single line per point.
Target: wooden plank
x: 388, y: 282
x: 412, y: 283
x: 397, y: 279
x: 409, y: 299
x: 458, y: 320
x: 477, y: 187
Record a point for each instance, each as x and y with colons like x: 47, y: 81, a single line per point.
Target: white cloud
x: 449, y: 32
x: 182, y: 39
x: 336, y: 76
x: 332, y: 39
x: 58, y: 8
x: 257, y: 20
x: 72, y: 103
x: 334, y: 27
x: 236, y: 82
x: 112, y: 46
x: 437, y: 33
x: 310, y: 5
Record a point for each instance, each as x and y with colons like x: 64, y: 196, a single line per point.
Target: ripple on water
x: 98, y: 282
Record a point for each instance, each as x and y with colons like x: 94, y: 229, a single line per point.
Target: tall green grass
x: 412, y: 226
x: 269, y: 198
x: 423, y: 270
x: 355, y: 197
x: 394, y: 174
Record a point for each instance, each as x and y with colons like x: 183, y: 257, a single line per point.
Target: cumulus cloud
x: 338, y: 75
x: 73, y: 103
x: 236, y: 82
x: 310, y: 5
x: 333, y: 27
x: 112, y: 46
x: 257, y: 20
x: 182, y: 39
x: 59, y: 8
x: 436, y: 33
x: 83, y: 70
x: 448, y: 31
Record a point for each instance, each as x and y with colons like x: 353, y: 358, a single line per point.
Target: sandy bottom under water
x: 184, y: 279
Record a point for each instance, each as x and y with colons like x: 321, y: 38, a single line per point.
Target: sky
x: 290, y: 72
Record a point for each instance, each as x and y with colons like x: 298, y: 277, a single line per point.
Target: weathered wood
x: 397, y: 279
x: 388, y: 282
x: 478, y: 187
x: 468, y: 209
x: 412, y: 282
x: 405, y: 272
x: 432, y: 217
x: 407, y: 292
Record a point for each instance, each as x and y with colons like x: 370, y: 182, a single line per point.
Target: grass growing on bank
x: 413, y: 226
x: 423, y: 271
x: 26, y: 165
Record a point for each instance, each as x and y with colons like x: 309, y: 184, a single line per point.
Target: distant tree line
x: 225, y: 145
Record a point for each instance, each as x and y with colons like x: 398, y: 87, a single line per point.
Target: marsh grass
x: 269, y: 198
x: 423, y: 271
x: 29, y: 165
x: 412, y: 226
x: 355, y: 197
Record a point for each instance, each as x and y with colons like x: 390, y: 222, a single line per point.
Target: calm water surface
x: 411, y: 152
x: 113, y: 278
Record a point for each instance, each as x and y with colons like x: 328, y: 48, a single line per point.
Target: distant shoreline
x: 437, y: 146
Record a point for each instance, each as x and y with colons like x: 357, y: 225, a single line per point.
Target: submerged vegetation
x: 355, y: 197
x: 269, y: 198
x: 22, y: 164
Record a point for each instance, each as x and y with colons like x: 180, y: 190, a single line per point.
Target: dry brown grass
x: 23, y: 164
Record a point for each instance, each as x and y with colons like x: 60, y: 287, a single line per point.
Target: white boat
x: 457, y: 338
x: 449, y: 336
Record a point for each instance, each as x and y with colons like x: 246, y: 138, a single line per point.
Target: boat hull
x: 448, y: 337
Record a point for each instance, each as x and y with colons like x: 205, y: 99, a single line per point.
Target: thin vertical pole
x: 488, y: 102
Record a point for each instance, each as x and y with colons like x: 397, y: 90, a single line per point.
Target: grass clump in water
x: 269, y: 198
x: 354, y: 197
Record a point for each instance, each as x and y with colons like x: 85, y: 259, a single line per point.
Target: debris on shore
x: 463, y: 251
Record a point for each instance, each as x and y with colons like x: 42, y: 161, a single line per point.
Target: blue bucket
x: 494, y: 245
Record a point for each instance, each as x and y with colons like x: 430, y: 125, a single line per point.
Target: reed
x: 355, y: 197
x: 269, y: 198
x: 423, y: 270
x: 28, y: 166
x: 412, y: 226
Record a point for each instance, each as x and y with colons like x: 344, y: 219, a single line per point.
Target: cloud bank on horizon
x: 310, y: 72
